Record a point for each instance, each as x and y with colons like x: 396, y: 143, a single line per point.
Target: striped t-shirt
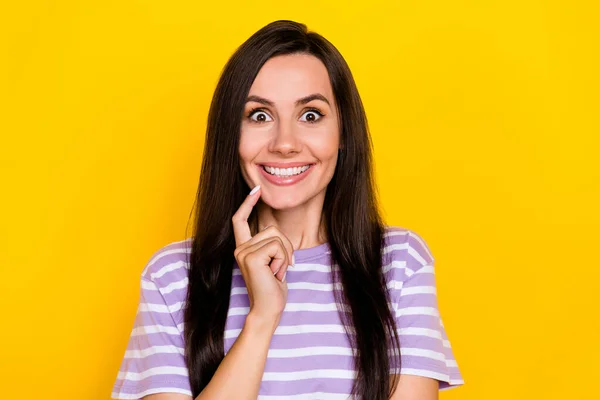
x: 309, y: 355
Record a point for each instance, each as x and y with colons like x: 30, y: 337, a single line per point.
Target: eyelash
x: 315, y: 110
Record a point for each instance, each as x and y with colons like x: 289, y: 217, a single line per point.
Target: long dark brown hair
x: 353, y: 224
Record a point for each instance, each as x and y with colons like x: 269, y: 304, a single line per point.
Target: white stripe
x: 160, y: 308
x: 432, y: 311
x: 139, y: 395
x: 238, y: 311
x: 148, y: 329
x: 320, y: 287
x: 416, y: 256
x: 168, y: 252
x: 299, y: 329
x: 306, y: 267
x: 390, y: 233
x: 148, y: 285
x: 423, y: 245
x: 417, y: 352
x: 308, y: 396
x: 310, y: 374
x: 175, y: 285
x: 418, y: 290
x: 138, y: 376
x: 427, y: 269
x: 310, y: 351
x: 240, y: 290
x: 432, y: 333
x: 411, y: 251
x: 296, y: 330
x: 395, y: 285
x: 395, y: 264
x: 295, y: 307
x: 398, y: 246
x: 170, y: 349
x: 168, y: 268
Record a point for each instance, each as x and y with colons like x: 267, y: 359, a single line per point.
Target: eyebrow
x: 303, y: 100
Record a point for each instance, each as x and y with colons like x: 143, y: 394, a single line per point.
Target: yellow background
x: 484, y: 116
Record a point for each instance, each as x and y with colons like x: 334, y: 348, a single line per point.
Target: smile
x: 285, y: 176
x: 285, y: 172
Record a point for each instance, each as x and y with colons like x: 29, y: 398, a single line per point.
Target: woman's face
x: 290, y: 133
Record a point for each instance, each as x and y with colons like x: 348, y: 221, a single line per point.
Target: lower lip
x: 287, y: 180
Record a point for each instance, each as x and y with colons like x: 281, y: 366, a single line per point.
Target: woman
x: 296, y: 290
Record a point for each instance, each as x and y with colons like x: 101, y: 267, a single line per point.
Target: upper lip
x: 285, y: 165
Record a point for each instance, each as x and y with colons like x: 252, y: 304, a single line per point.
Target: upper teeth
x: 286, y: 171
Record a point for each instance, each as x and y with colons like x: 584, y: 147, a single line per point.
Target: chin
x: 282, y: 203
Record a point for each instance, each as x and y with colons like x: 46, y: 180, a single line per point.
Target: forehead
x: 286, y: 78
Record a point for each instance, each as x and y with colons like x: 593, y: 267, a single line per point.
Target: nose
x: 285, y: 139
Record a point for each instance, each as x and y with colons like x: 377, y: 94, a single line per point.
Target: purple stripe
x: 176, y: 296
x: 152, y: 297
x: 422, y: 342
x: 420, y: 279
x: 418, y: 362
x: 154, y: 318
x: 417, y: 300
x: 152, y: 382
x: 309, y: 363
x: 418, y: 321
x: 154, y: 360
x: 305, y: 386
x: 154, y: 339
x: 295, y: 296
x: 395, y: 239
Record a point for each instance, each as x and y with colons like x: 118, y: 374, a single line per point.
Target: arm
x: 240, y: 373
x: 411, y: 387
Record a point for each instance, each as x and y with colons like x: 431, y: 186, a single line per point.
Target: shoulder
x: 168, y: 267
x: 405, y: 249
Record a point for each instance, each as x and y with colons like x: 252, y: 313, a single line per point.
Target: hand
x: 263, y: 261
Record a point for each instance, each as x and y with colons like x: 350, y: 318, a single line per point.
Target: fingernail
x: 276, y: 271
x: 293, y: 259
x: 284, y: 274
x: 255, y: 189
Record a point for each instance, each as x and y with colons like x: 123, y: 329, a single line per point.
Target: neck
x: 303, y: 225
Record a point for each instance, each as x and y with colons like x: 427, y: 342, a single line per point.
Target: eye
x: 311, y: 116
x: 259, y: 116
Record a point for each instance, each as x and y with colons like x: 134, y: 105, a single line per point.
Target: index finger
x: 241, y: 229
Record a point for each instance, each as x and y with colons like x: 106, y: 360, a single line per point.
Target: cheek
x: 325, y: 145
x: 249, y: 148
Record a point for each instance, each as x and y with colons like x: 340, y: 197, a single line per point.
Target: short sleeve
x: 424, y: 346
x: 154, y: 360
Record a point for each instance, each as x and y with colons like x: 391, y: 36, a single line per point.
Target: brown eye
x: 259, y: 116
x: 311, y: 116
